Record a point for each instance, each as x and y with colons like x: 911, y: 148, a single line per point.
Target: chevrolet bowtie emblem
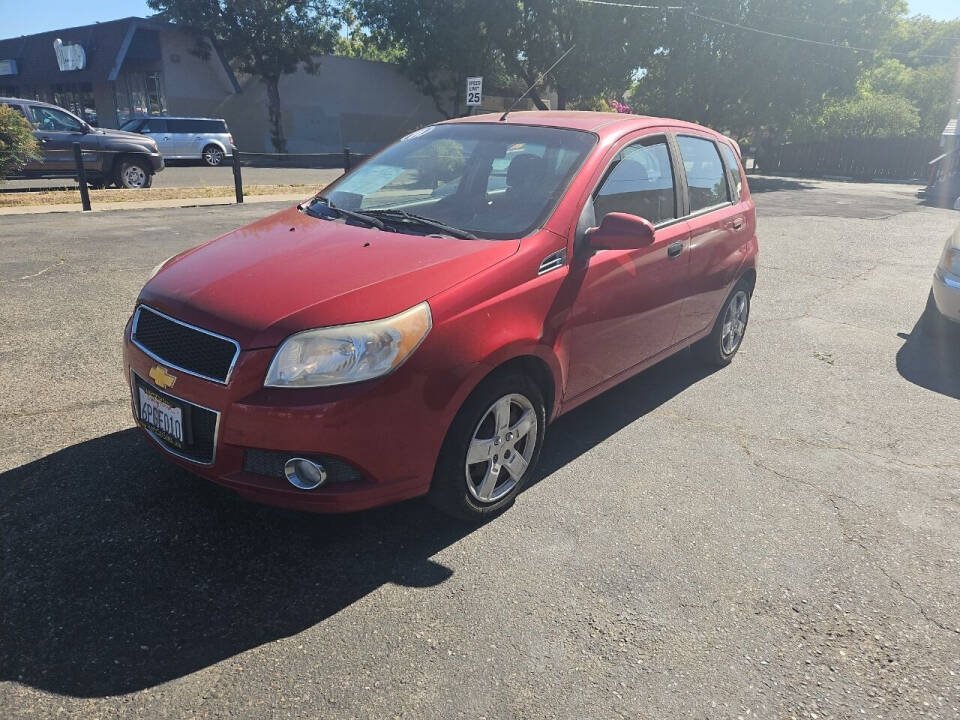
x: 161, y: 377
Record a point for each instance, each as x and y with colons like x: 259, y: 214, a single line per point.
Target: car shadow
x: 930, y: 357
x: 766, y: 184
x: 119, y: 572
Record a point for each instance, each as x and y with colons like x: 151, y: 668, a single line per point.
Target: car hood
x: 121, y: 133
x: 291, y: 272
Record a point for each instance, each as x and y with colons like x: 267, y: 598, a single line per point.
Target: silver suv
x: 181, y: 138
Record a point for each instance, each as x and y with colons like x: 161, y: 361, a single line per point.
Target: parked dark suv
x: 110, y: 157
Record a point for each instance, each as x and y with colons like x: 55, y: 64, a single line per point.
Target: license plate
x: 161, y: 417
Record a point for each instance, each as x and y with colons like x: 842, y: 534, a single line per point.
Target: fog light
x: 304, y: 474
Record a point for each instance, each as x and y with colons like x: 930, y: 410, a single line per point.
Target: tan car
x: 946, y: 280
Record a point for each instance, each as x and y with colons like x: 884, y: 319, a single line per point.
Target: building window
x: 139, y: 94
x: 78, y: 99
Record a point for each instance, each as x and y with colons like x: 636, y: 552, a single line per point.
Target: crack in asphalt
x: 47, y: 269
x: 88, y: 405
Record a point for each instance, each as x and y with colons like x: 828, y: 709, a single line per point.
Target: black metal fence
x: 866, y: 159
x: 344, y: 160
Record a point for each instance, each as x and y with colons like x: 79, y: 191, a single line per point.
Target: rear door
x: 628, y: 301
x: 716, y: 225
x: 179, y: 132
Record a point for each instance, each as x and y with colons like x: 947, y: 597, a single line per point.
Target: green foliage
x: 864, y: 116
x: 264, y: 38
x: 17, y: 144
x: 444, y: 42
x: 439, y: 162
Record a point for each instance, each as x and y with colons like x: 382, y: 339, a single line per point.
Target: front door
x: 627, y: 302
x: 56, y: 131
x: 156, y: 128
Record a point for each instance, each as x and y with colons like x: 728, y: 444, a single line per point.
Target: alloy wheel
x: 734, y: 322
x: 213, y: 156
x: 501, y: 448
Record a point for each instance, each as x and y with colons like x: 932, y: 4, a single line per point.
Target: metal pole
x: 237, y: 179
x: 346, y: 159
x: 81, y: 177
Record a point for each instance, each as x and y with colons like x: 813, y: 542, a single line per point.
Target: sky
x: 56, y: 14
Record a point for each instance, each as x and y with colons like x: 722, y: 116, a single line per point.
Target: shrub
x: 17, y: 143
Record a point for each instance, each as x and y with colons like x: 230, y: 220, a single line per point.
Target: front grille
x: 270, y: 464
x: 200, y: 439
x: 185, y: 347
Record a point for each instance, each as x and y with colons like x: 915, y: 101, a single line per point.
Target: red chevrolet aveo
x: 413, y: 329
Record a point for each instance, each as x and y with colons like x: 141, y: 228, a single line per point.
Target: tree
x: 17, y: 144
x: 444, y: 42
x: 610, y: 42
x: 863, y: 116
x: 264, y: 38
x: 711, y: 69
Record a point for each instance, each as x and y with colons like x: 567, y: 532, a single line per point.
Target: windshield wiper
x: 421, y: 220
x: 367, y: 219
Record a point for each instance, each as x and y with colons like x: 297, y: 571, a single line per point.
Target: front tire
x: 491, y: 449
x: 133, y: 174
x: 721, y: 345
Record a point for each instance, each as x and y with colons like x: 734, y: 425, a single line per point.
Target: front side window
x: 53, y: 120
x: 640, y: 182
x: 154, y: 125
x: 706, y: 179
x: 497, y: 181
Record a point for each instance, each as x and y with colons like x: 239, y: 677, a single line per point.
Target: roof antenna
x: 540, y: 79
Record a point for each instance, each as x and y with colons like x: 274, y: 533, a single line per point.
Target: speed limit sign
x: 474, y: 90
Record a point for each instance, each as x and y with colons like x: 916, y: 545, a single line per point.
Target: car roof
x: 173, y: 117
x: 29, y: 102
x: 601, y: 123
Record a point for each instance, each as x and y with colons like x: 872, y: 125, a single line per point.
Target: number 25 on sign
x: 474, y: 90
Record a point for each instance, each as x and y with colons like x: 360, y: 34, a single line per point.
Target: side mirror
x: 85, y: 128
x: 621, y: 231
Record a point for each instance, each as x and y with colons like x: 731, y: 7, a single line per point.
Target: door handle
x: 675, y: 249
x: 738, y: 223
x: 44, y: 139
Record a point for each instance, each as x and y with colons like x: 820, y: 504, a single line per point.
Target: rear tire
x: 721, y: 345
x: 491, y: 449
x: 212, y: 155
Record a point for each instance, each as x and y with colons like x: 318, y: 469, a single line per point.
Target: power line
x: 814, y: 42
x: 626, y: 5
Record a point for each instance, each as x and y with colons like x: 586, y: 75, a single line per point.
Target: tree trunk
x: 273, y: 113
x: 561, y: 98
x: 537, y: 100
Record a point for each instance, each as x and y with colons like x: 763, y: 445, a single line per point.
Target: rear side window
x: 179, y: 126
x: 197, y: 126
x: 640, y: 182
x: 15, y: 107
x: 706, y: 178
x: 733, y: 168
x: 214, y: 126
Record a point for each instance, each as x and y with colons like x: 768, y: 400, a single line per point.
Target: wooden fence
x: 891, y: 158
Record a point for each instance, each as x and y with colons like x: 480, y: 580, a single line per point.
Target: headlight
x: 950, y: 261
x: 349, y: 353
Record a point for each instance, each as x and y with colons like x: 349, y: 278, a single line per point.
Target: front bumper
x: 156, y: 161
x: 386, y: 429
x: 946, y: 294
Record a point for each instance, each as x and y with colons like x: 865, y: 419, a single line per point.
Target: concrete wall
x: 192, y: 86
x: 355, y: 103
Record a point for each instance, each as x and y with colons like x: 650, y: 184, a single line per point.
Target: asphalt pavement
x: 777, y: 539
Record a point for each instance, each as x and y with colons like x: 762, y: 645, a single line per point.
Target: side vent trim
x: 553, y: 261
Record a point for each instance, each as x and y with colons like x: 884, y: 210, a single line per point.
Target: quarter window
x: 706, y: 179
x: 640, y: 182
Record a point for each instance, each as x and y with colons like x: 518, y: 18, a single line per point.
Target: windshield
x: 494, y: 181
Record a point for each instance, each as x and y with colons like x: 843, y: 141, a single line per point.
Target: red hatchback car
x: 415, y: 328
